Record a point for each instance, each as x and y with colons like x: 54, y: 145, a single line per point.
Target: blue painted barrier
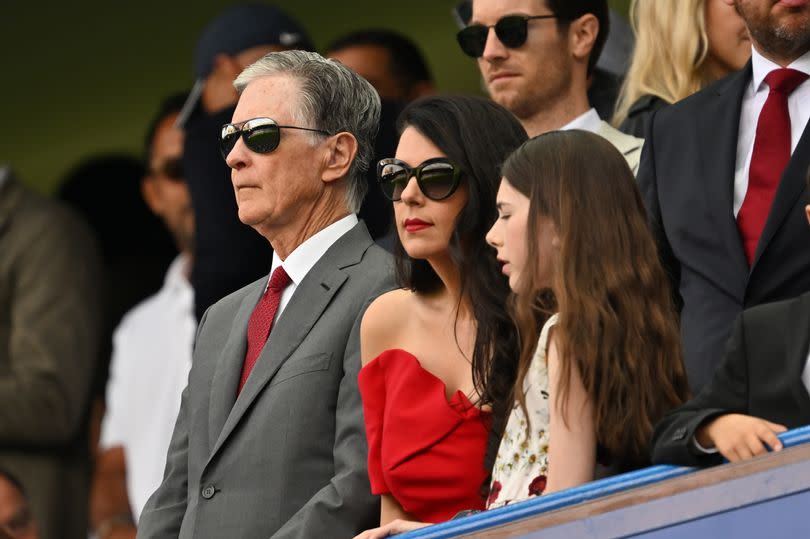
x: 567, y: 498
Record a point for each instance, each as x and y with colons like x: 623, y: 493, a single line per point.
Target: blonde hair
x: 671, y: 47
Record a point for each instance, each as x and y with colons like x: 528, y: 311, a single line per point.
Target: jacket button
x: 208, y: 492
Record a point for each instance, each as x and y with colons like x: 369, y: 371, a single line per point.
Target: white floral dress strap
x: 521, y: 466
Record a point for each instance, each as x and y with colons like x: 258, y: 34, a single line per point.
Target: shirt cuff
x: 700, y: 449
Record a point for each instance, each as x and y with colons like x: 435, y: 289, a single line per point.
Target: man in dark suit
x: 722, y: 175
x: 760, y: 390
x: 269, y: 441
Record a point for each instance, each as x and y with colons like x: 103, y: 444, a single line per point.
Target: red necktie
x: 769, y: 158
x: 261, y: 321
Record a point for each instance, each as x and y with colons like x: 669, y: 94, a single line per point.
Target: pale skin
x: 573, y: 450
x: 740, y: 437
x: 544, y: 83
x: 299, y: 188
x: 429, y: 326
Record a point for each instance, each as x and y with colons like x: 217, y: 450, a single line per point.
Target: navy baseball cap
x: 239, y: 28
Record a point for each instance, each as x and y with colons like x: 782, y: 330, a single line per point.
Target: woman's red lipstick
x: 415, y: 225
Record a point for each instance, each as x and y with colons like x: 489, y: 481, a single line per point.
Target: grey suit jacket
x: 50, y: 326
x: 287, y: 457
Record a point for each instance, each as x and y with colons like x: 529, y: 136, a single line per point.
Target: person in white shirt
x: 536, y: 58
x: 151, y: 351
x: 761, y: 389
x: 723, y: 178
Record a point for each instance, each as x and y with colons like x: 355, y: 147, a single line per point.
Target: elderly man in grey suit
x: 269, y: 441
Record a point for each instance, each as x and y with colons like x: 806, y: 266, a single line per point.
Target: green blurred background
x: 82, y: 78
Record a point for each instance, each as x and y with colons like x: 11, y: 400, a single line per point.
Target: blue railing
x: 572, y: 496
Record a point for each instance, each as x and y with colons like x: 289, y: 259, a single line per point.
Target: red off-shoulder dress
x: 425, y: 451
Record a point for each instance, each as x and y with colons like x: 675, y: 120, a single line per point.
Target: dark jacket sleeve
x: 648, y: 184
x: 228, y: 253
x: 673, y: 437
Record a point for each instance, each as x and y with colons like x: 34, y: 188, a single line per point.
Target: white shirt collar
x: 761, y: 66
x: 177, y: 274
x: 588, y: 121
x: 306, y: 255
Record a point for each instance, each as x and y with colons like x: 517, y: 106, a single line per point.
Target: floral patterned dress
x: 521, y: 466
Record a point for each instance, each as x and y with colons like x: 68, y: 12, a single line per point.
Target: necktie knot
x: 279, y: 280
x: 785, y: 80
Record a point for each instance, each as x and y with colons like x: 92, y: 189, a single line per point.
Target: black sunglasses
x: 171, y: 170
x: 511, y: 31
x: 260, y: 135
x: 437, y: 178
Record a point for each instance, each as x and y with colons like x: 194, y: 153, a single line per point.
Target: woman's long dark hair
x: 477, y: 135
x: 617, y: 323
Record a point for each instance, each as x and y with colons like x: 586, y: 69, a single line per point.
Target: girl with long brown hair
x: 572, y: 236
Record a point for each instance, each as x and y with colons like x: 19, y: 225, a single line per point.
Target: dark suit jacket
x: 287, y: 457
x: 761, y: 375
x: 50, y: 325
x: 687, y: 180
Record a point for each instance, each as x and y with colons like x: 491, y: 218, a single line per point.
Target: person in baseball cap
x: 238, y: 37
x: 228, y: 254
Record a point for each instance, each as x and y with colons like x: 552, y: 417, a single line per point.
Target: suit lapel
x: 304, y: 309
x: 797, y: 350
x: 229, y: 367
x: 718, y: 159
x: 791, y: 186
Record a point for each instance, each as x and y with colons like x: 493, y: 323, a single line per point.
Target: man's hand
x: 219, y: 93
x: 392, y: 528
x: 739, y: 437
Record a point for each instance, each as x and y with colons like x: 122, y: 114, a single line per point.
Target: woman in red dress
x: 439, y: 354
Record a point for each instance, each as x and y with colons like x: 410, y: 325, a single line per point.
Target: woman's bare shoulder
x: 382, y: 322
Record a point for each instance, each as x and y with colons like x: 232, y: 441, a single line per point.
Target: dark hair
x: 476, y: 134
x: 11, y: 478
x: 617, y: 323
x: 570, y: 10
x: 170, y: 105
x: 408, y: 65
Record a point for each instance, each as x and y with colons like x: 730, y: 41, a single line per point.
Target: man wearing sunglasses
x: 151, y: 350
x: 536, y: 57
x: 269, y: 441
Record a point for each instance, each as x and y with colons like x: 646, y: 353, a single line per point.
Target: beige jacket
x: 628, y: 145
x: 49, y: 334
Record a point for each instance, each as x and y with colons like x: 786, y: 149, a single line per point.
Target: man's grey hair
x: 332, y: 98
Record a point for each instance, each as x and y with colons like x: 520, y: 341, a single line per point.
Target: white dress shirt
x: 149, y: 369
x: 305, y: 256
x: 587, y: 121
x: 752, y: 103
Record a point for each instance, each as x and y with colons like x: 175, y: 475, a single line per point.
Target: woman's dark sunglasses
x: 437, y: 178
x: 260, y: 135
x: 511, y: 31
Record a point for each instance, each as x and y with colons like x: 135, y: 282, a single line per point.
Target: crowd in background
x: 345, y: 304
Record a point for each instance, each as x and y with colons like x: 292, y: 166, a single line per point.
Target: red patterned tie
x: 769, y: 158
x: 262, y: 320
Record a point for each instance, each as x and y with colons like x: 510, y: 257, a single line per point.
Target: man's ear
x: 149, y: 192
x: 807, y: 213
x: 341, y: 151
x: 582, y: 35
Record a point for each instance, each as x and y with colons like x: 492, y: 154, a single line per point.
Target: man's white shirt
x: 149, y: 369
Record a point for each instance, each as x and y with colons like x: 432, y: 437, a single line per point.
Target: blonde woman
x: 681, y: 46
